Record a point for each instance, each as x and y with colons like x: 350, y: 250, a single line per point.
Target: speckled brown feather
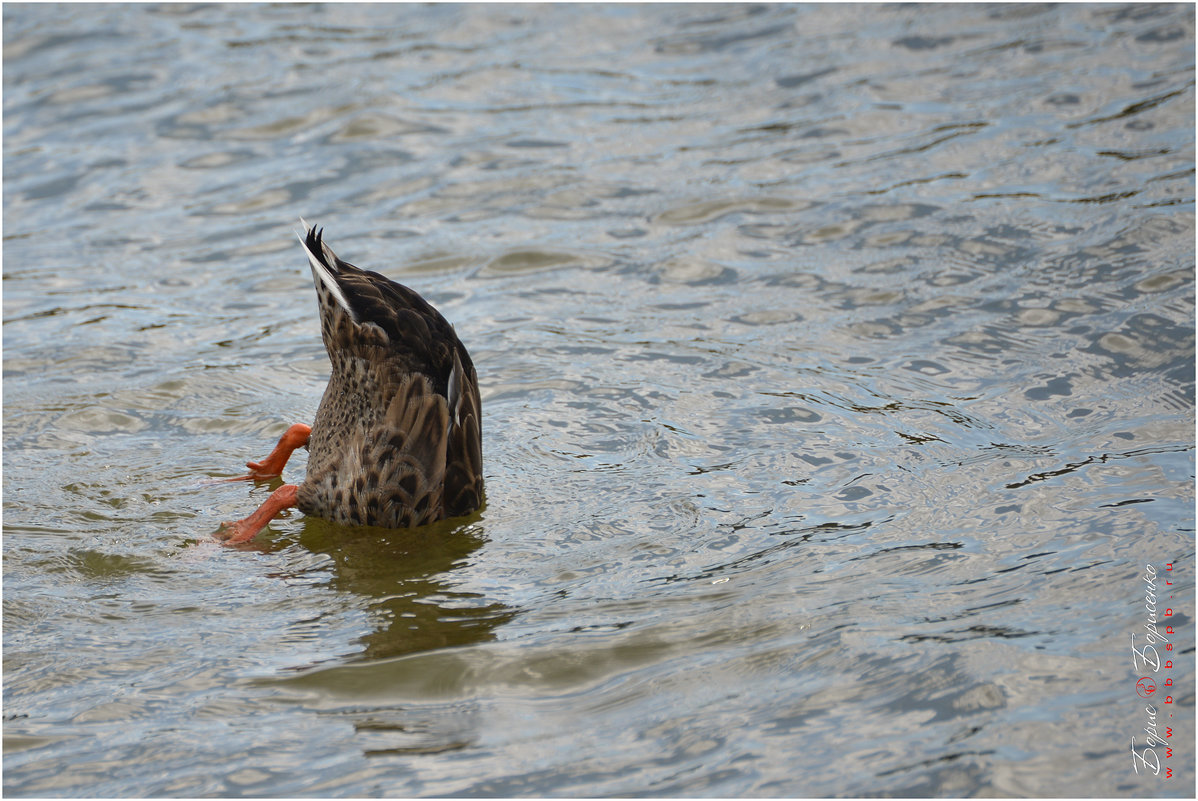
x: 397, y: 440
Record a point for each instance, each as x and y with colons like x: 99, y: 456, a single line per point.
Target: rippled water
x: 838, y: 373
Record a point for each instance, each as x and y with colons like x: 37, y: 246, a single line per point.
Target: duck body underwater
x: 397, y: 439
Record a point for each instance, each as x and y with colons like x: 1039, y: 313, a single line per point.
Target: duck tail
x: 324, y: 265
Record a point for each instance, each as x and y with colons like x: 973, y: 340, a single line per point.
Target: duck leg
x: 248, y: 528
x: 272, y: 466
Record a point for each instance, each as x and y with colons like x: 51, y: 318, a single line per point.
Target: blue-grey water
x: 838, y: 380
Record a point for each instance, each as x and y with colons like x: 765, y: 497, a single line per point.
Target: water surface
x: 838, y: 379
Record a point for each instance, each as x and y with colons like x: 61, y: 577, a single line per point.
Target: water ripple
x: 836, y: 367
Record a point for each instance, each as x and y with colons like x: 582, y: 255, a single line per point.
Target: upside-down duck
x: 396, y: 441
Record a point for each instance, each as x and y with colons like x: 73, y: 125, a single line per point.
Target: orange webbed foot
x: 272, y: 466
x: 247, y: 528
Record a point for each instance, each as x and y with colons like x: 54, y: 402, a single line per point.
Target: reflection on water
x: 837, y: 365
x: 408, y: 579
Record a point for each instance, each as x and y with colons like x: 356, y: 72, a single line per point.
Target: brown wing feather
x: 390, y: 472
x: 411, y: 452
x: 464, y: 456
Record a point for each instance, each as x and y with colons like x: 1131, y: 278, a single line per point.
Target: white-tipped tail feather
x: 322, y: 274
x: 453, y: 392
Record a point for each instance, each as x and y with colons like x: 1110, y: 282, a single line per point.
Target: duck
x: 397, y: 439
